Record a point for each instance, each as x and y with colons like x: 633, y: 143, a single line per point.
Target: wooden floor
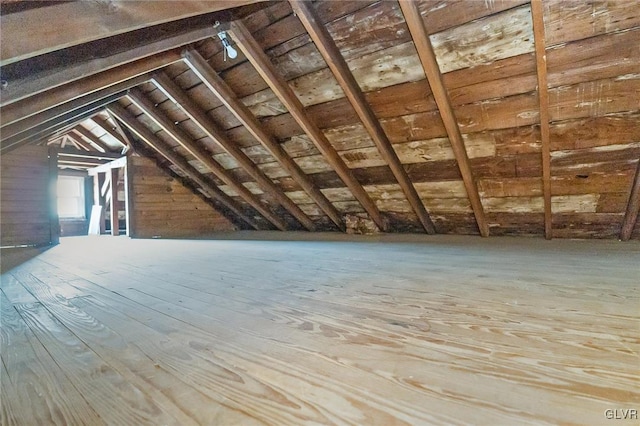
x: 382, y: 330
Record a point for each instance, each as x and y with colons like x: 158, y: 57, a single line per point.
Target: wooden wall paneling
x: 168, y: 209
x: 262, y: 63
x: 430, y: 66
x: 633, y: 206
x: 27, y: 202
x: 205, y: 158
x: 543, y: 94
x: 86, y: 87
x: 336, y: 62
x: 52, y: 192
x: 248, y: 120
x: 204, y: 122
x: 150, y: 139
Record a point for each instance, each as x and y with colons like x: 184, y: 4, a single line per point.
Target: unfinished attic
x: 327, y: 212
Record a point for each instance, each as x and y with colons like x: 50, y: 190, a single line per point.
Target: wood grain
x: 391, y: 332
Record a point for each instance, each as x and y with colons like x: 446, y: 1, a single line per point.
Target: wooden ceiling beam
x: 105, y: 55
x: 338, y: 65
x: 195, y: 113
x: 203, y: 156
x: 25, y: 108
x: 537, y: 15
x: 427, y: 56
x: 111, y: 130
x: 44, y: 129
x: 77, y: 141
x: 46, y: 29
x: 149, y: 138
x: 55, y: 130
x: 283, y: 91
x: 633, y: 207
x: 226, y: 95
x: 10, y: 130
x: 91, y: 138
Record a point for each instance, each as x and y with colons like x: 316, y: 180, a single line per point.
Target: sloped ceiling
x: 445, y: 133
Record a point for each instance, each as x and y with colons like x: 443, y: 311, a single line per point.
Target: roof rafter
x: 91, y: 137
x: 434, y: 77
x: 633, y: 207
x: 45, y: 129
x: 51, y: 98
x: 92, y: 21
x: 283, y: 91
x: 107, y: 127
x: 226, y: 95
x: 195, y: 113
x: 338, y: 65
x: 537, y: 15
x: 204, y: 157
x: 148, y: 137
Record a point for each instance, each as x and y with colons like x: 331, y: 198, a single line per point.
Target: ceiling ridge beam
x: 221, y: 89
x: 91, y: 137
x: 537, y: 15
x: 203, y: 156
x: 195, y: 113
x: 431, y: 69
x: 283, y: 91
x: 633, y: 207
x: 148, y: 137
x: 338, y: 65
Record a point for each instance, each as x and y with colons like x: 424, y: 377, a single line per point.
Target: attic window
x: 71, y: 197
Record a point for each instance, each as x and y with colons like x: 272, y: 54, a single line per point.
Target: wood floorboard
x: 381, y: 330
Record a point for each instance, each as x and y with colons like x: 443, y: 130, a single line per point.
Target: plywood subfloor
x: 382, y: 330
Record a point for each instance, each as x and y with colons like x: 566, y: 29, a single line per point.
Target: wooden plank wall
x: 162, y: 207
x: 25, y: 198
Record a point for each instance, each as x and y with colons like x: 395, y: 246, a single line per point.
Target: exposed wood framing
x: 115, y: 222
x: 110, y: 129
x: 537, y: 14
x: 71, y: 152
x: 91, y: 138
x: 48, y: 127
x: 115, y: 164
x: 35, y: 83
x: 432, y: 71
x: 281, y: 88
x: 203, y: 121
x: 226, y: 95
x: 148, y: 137
x: 204, y: 157
x: 633, y: 207
x: 79, y: 142
x: 92, y: 21
x: 336, y: 62
x: 78, y: 89
x: 51, y: 114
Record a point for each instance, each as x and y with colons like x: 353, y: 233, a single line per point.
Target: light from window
x: 71, y: 197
